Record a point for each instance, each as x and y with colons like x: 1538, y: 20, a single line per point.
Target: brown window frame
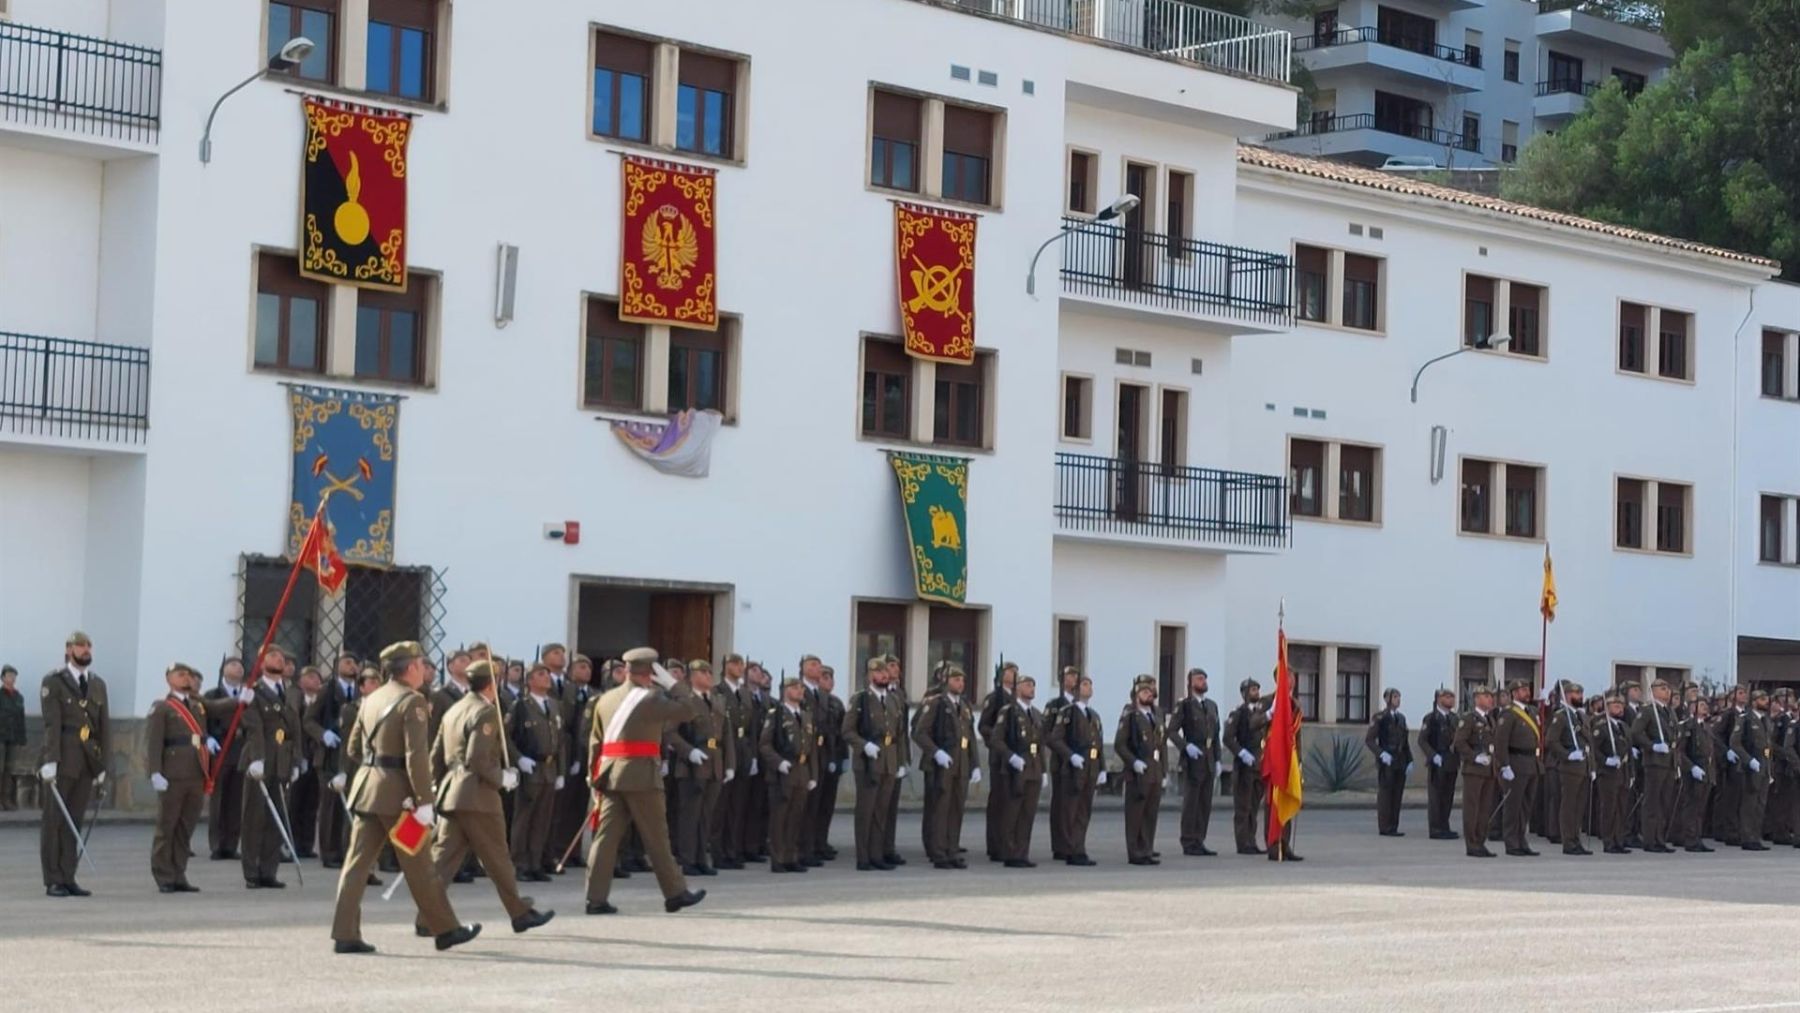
x: 621, y: 49
x: 1630, y: 514
x: 420, y: 15
x: 1473, y: 496
x: 1481, y: 297
x: 1771, y: 509
x: 885, y: 359
x: 415, y: 300
x: 1354, y: 282
x: 1070, y: 652
x: 945, y: 625
x: 1078, y: 407
x: 605, y: 331
x: 1685, y: 344
x: 1774, y: 363
x: 708, y: 74
x: 1526, y: 341
x: 1354, y: 708
x: 1467, y: 679
x: 332, y: 9
x: 966, y: 141
x: 1310, y: 283
x: 958, y: 381
x: 686, y: 346
x: 1509, y: 505
x: 1306, y: 694
x: 886, y: 134
x: 1081, y: 179
x: 1369, y: 499
x: 1678, y: 524
x: 278, y: 274
x: 1315, y: 505
x: 1634, y: 338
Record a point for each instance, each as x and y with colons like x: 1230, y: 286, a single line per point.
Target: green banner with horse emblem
x: 934, y: 496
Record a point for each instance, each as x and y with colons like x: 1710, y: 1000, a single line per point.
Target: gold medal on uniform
x: 821, y: 740
x: 887, y: 740
x: 1034, y: 749
x: 965, y: 742
x: 1156, y: 756
x: 1093, y: 754
x: 712, y: 743
x: 280, y: 736
x: 85, y: 733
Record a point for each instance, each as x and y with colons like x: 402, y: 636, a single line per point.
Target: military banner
x: 353, y: 195
x: 343, y: 447
x: 934, y: 494
x: 668, y: 265
x: 934, y: 264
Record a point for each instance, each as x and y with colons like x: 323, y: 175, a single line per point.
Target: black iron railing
x: 1106, y: 494
x: 1636, y: 13
x: 1154, y: 268
x: 92, y: 86
x: 1567, y: 87
x: 74, y: 389
x: 1327, y: 123
x: 1345, y: 36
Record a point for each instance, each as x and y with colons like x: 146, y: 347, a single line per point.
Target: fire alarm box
x: 571, y: 532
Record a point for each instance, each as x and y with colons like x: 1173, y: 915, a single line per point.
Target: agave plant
x: 1337, y: 765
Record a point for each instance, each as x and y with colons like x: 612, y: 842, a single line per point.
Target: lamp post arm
x: 1031, y: 276
x: 206, y: 135
x: 1428, y: 363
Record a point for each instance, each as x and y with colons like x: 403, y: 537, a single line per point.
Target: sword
x: 593, y: 799
x: 275, y: 814
x: 388, y: 894
x: 93, y: 818
x: 69, y: 821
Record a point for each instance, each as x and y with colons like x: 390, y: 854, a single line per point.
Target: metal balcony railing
x: 1170, y: 272
x: 1345, y: 36
x: 74, y: 389
x: 85, y: 85
x: 1567, y: 87
x: 1211, y: 38
x: 1635, y: 13
x: 1107, y: 494
x: 1329, y: 123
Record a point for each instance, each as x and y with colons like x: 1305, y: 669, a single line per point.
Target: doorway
x: 1129, y: 440
x: 1140, y: 179
x: 679, y: 621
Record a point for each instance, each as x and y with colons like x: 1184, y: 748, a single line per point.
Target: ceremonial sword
x: 275, y: 814
x: 74, y: 831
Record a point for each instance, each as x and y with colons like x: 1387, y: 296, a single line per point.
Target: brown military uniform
x: 1437, y: 746
x: 272, y: 734
x: 1078, y: 733
x: 788, y: 737
x: 331, y: 715
x: 834, y: 759
x: 1653, y: 733
x: 991, y: 706
x: 813, y: 701
x: 1246, y: 730
x: 1017, y: 742
x: 1784, y: 787
x: 1699, y: 749
x: 175, y: 747
x: 627, y: 732
x: 1059, y: 788
x: 1516, y: 748
x: 1139, y: 739
x: 869, y: 720
x: 1751, y: 739
x: 1387, y: 734
x: 78, y: 739
x: 390, y: 747
x: 697, y: 784
x: 945, y: 724
x: 1195, y: 722
x: 1475, y: 749
x: 536, y: 731
x: 1567, y: 737
x: 1612, y: 758
x: 897, y: 702
x: 470, y: 816
x: 571, y: 805
x: 225, y: 810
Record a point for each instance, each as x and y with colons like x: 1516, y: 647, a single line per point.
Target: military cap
x: 480, y: 645
x: 582, y: 659
x: 1244, y: 686
x: 640, y: 656
x: 1614, y: 696
x: 876, y: 664
x: 889, y: 659
x: 1483, y: 689
x: 948, y: 671
x: 78, y: 639
x: 1569, y: 686
x: 1660, y: 684
x: 1517, y: 684
x: 1142, y: 682
x: 482, y: 667
x: 804, y: 658
x: 405, y: 650
x: 700, y: 665
x: 1628, y: 684
x: 553, y: 646
x: 180, y: 666
x: 1784, y: 693
x: 1759, y: 694
x: 734, y: 657
x: 1444, y: 691
x: 790, y: 680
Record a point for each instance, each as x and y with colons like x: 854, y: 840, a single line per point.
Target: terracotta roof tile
x: 1374, y: 179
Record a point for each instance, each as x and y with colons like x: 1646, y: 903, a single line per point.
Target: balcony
x: 1369, y: 140
x: 61, y: 393
x: 1561, y: 100
x: 1389, y: 57
x: 1166, y: 28
x: 1108, y: 499
x: 1623, y: 26
x: 1241, y: 291
x: 103, y: 96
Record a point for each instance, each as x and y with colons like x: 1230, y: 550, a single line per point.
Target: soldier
x: 704, y: 761
x: 1653, y: 735
x: 996, y: 699
x: 537, y: 740
x: 328, y: 724
x: 1437, y: 741
x: 1778, y: 824
x: 756, y: 796
x: 1729, y: 798
x: 271, y: 732
x: 1612, y: 749
x: 1194, y: 730
x: 1138, y: 744
x: 944, y: 734
x: 1697, y: 765
x: 471, y: 750
x: 176, y: 760
x: 1750, y: 738
x: 12, y: 734
x: 834, y: 757
x: 303, y: 797
x: 1475, y: 747
x: 389, y: 746
x: 455, y: 687
x: 788, y: 750
x: 733, y: 810
x: 1244, y: 735
x: 225, y: 810
x: 77, y: 744
x: 368, y: 680
x: 1517, y: 745
x: 813, y: 699
x: 1568, y: 740
x: 1017, y: 740
x: 1387, y: 739
x: 872, y: 731
x: 1076, y: 739
x: 1634, y: 821
x: 896, y: 701
x: 1067, y: 688
x: 570, y: 810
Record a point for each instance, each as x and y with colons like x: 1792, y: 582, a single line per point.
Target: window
x: 1630, y: 82
x: 1673, y: 675
x: 1477, y: 496
x: 1399, y: 114
x: 1311, y: 280
x: 1304, y: 661
x: 264, y: 581
x: 1316, y: 270
x: 290, y: 316
x: 1521, y: 503
x: 1471, y: 132
x: 1524, y: 316
x: 1181, y: 193
x: 1515, y: 669
x: 1632, y: 324
x: 400, y: 44
x: 1071, y: 647
x: 1408, y: 31
x: 1171, y: 660
x: 1325, y: 27
x: 390, y: 332
x: 1478, y: 310
x: 1077, y: 407
x: 1673, y: 348
x: 894, y: 142
x: 955, y: 636
x: 616, y: 357
x: 1509, y: 64
x: 1670, y: 524
x: 697, y: 369
x: 1356, y: 482
x: 703, y: 104
x: 1306, y: 470
x: 1355, y: 683
x: 1172, y: 437
x: 887, y: 389
x: 1774, y: 364
x: 614, y: 365
x: 622, y: 67
x: 1522, y: 486
x: 1083, y: 182
x: 957, y: 406
x: 1565, y: 72
x: 968, y: 154
x: 1673, y: 332
x: 1362, y: 284
x: 1509, y: 141
x: 1671, y: 517
x: 1473, y: 671
x: 1482, y: 302
x: 1623, y: 674
x: 314, y: 19
x: 1773, y: 520
x: 1629, y: 527
x: 880, y: 630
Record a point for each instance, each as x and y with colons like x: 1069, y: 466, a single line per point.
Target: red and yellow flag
x: 1281, y: 753
x: 668, y: 264
x: 1547, y: 600
x: 934, y: 264
x: 319, y: 554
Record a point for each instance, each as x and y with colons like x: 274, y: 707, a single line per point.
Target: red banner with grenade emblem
x: 353, y: 196
x: 934, y: 262
x: 668, y: 261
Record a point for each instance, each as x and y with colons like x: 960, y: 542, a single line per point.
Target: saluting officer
x: 1194, y: 730
x: 1076, y: 739
x: 77, y: 746
x: 1437, y: 742
x: 1475, y: 748
x: 1245, y: 731
x: 1138, y: 743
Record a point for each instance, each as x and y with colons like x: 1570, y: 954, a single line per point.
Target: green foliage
x: 1338, y: 765
x: 1688, y: 23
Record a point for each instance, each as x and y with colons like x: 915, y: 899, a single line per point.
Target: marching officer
x: 1750, y: 738
x: 77, y: 744
x: 997, y: 698
x: 734, y: 810
x: 271, y: 732
x: 537, y: 740
x: 1138, y: 743
x: 1654, y: 735
x: 1387, y: 739
x: 1474, y: 743
x: 1017, y: 741
x: 704, y: 761
x: 944, y: 734
x: 1437, y: 741
x: 176, y: 760
x: 788, y: 753
x: 1067, y: 687
x: 391, y: 749
x: 1612, y: 751
x: 1517, y: 745
x: 470, y: 747
x: 1077, y: 738
x: 1569, y: 741
x: 1245, y: 731
x: 873, y: 730
x: 1194, y: 730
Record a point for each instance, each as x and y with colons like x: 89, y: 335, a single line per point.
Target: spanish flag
x: 1281, y: 753
x: 1547, y: 600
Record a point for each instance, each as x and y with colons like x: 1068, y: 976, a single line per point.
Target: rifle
x: 865, y: 729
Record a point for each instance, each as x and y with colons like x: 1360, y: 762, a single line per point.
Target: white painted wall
x: 1124, y: 593
x: 44, y: 526
x: 1768, y: 596
x: 49, y: 243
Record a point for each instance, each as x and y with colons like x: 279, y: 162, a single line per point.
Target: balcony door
x: 1397, y: 114
x: 1140, y: 179
x: 1131, y: 435
x: 1172, y: 493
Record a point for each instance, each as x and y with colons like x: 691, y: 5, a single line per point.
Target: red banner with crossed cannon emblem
x: 934, y: 264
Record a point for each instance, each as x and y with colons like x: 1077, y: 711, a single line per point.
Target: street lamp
x: 292, y: 52
x: 1124, y: 204
x: 1491, y: 343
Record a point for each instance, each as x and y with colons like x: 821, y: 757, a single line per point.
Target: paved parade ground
x: 1363, y: 923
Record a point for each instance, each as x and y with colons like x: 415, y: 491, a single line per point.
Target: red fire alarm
x: 571, y: 532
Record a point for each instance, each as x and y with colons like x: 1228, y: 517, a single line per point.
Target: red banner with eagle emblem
x: 353, y: 196
x: 668, y: 261
x: 934, y: 262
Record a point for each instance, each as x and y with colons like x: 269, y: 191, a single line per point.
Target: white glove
x: 1576, y: 756
x: 246, y: 696
x: 305, y: 765
x: 975, y: 778
x: 424, y: 814
x: 295, y: 776
x: 1409, y: 770
x: 1437, y: 759
x: 754, y: 766
x: 1193, y: 751
x: 942, y: 758
x: 1659, y: 747
x: 338, y: 782
x: 1102, y: 778
x: 1138, y: 767
x: 159, y: 782
x: 1593, y: 775
x: 831, y: 768
x: 812, y: 785
x: 1755, y: 765
x: 1387, y: 758
x: 528, y: 765
x: 575, y: 768
x: 900, y: 774
x: 785, y: 767
x: 665, y: 768
x: 212, y: 745
x: 1016, y: 763
x: 1612, y: 761
x: 255, y: 770
x: 1483, y: 759
x: 559, y: 782
x: 332, y: 739
x: 1248, y: 758
x: 509, y: 779
x: 1076, y: 761
x: 661, y: 676
x: 47, y: 771
x: 695, y: 757
x: 100, y: 779
x: 1506, y: 773
x: 1730, y: 755
x: 730, y: 775
x: 871, y: 750
x: 1635, y: 752
x: 1699, y: 775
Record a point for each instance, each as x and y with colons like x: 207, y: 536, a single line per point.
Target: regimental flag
x: 1281, y: 752
x: 1547, y: 599
x: 319, y: 553
x: 409, y: 835
x: 344, y: 449
x: 934, y: 494
x: 353, y: 195
x: 668, y: 260
x: 934, y: 266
